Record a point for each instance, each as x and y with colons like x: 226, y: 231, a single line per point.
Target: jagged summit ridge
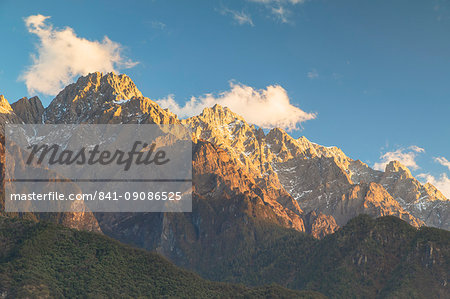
x: 109, y: 98
x: 320, y: 177
x: 225, y: 128
x: 110, y: 87
x: 397, y: 167
x: 89, y: 94
x: 317, y: 177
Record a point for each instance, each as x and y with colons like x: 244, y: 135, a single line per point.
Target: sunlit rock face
x: 104, y: 99
x: 320, y: 178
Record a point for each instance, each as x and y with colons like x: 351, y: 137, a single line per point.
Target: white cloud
x: 240, y: 17
x: 313, y: 74
x: 266, y: 108
x: 406, y: 157
x: 442, y: 183
x: 443, y: 161
x: 62, y: 56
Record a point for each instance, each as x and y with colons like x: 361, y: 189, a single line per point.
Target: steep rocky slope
x: 227, y: 207
x: 423, y: 201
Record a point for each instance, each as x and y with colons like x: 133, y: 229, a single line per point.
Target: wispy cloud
x: 406, y: 156
x: 267, y: 108
x: 158, y: 25
x: 442, y: 183
x: 62, y: 55
x: 281, y: 13
x: 443, y: 161
x: 241, y: 17
x: 279, y: 8
x: 337, y: 76
x: 313, y: 74
x: 278, y: 1
x: 417, y: 149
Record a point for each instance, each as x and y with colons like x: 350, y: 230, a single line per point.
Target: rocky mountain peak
x: 304, y: 148
x: 230, y: 131
x: 397, y: 167
x: 219, y: 115
x: 90, y: 93
x: 110, y: 87
x: 260, y: 134
x: 276, y: 133
x: 423, y: 201
x: 29, y: 110
x: 5, y: 107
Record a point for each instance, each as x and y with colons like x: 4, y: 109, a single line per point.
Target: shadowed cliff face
x: 80, y: 220
x: 29, y: 110
x: 227, y: 204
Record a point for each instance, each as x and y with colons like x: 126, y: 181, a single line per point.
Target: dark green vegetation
x: 368, y: 258
x: 48, y: 260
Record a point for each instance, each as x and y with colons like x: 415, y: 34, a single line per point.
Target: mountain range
x: 261, y: 201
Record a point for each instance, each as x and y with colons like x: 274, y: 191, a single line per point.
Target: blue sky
x: 375, y: 73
